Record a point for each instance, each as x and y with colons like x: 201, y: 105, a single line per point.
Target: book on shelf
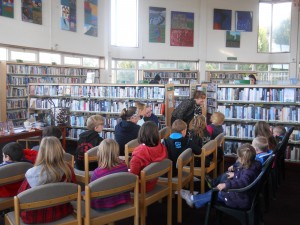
x: 289, y: 95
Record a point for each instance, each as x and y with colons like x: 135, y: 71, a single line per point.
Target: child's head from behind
x: 279, y: 131
x: 262, y: 128
x: 179, y: 126
x: 52, y: 131
x: 260, y: 144
x: 198, y: 124
x: 108, y: 154
x: 95, y: 123
x: 148, y: 134
x: 217, y: 118
x: 12, y: 152
x: 246, y: 154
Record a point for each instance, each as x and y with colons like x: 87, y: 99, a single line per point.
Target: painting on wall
x: 32, y: 11
x: 233, y: 39
x: 243, y: 20
x: 182, y: 29
x: 7, y: 8
x: 68, y: 15
x: 157, y: 25
x: 91, y: 17
x: 222, y: 19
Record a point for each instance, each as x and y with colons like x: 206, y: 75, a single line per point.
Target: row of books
x: 230, y: 147
x: 16, y: 91
x: 16, y: 103
x: 259, y: 94
x: 49, y: 70
x: 80, y: 121
x: 13, y: 80
x: 292, y: 153
x: 239, y: 130
x: 99, y: 91
x: 22, y: 114
x: 252, y: 112
x: 182, y: 91
x: 47, y: 103
x: 166, y: 74
x: 74, y: 133
x: 233, y: 76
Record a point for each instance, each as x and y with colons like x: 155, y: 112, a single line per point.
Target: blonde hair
x: 198, y: 125
x: 94, y: 121
x: 247, y: 154
x: 217, y: 118
x: 51, y: 159
x: 108, y: 154
x: 178, y: 126
x: 280, y: 130
x: 261, y: 143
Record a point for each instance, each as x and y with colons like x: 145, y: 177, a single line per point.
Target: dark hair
x: 148, y: 134
x: 199, y: 94
x: 178, y: 126
x: 52, y: 131
x: 157, y: 77
x: 14, y: 151
x: 128, y: 113
x: 253, y: 77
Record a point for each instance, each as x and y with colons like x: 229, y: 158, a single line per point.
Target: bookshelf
x: 17, y: 76
x: 172, y: 76
x: 107, y: 100
x: 181, y: 92
x: 227, y: 77
x: 244, y: 105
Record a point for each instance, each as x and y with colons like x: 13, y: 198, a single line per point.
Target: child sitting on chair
x: 278, y: 133
x: 215, y: 128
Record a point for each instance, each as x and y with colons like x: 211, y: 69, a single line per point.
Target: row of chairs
x: 47, y: 195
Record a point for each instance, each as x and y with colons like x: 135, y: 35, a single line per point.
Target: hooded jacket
x: 125, y: 131
x: 142, y: 156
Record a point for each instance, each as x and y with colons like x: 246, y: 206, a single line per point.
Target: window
x: 49, y: 58
x: 3, y: 54
x: 124, y: 71
x: 71, y: 60
x: 274, y: 27
x: 90, y: 62
x: 25, y: 56
x: 124, y: 23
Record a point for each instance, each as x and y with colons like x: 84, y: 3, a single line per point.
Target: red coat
x: 142, y: 156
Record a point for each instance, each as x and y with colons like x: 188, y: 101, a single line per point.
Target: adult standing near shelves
x: 156, y: 80
x: 252, y: 79
x: 189, y: 108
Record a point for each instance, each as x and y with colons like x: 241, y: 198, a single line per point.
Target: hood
x: 151, y: 154
x: 88, y: 136
x: 126, y: 125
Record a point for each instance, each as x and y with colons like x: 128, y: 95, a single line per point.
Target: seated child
x: 12, y: 152
x: 177, y: 142
x: 88, y: 140
x: 47, y: 132
x: 108, y: 163
x: 261, y: 146
x: 215, y: 128
x: 278, y: 133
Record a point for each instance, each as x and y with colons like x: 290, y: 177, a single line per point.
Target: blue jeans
x: 201, y: 199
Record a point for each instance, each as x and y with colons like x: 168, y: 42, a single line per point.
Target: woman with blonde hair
x: 49, y: 167
x: 108, y: 163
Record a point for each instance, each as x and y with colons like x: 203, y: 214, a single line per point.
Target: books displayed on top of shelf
x: 181, y: 91
x: 172, y: 76
x: 16, y: 104
x: 74, y: 133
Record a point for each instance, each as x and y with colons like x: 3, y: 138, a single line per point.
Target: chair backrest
x: 47, y: 196
x: 14, y: 172
x: 129, y: 147
x: 69, y: 158
x: 164, y: 132
x: 221, y: 145
x: 111, y: 185
x: 89, y: 156
x: 220, y: 139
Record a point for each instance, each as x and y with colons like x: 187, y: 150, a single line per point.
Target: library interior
x: 165, y: 100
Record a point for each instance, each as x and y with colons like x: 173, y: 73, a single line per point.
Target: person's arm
x: 135, y: 166
x: 182, y: 109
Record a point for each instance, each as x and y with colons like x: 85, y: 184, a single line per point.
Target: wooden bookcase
x: 107, y: 100
x: 15, y: 78
x: 244, y: 105
x: 172, y: 76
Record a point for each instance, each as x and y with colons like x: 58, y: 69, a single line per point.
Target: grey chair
x: 10, y: 174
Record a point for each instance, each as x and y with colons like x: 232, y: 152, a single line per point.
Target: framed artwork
x: 68, y: 15
x: 243, y: 21
x: 182, y: 29
x: 157, y: 25
x: 32, y: 11
x: 222, y: 19
x: 233, y: 39
x: 91, y: 17
x: 7, y: 8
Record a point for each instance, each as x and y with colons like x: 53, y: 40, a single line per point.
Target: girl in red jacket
x: 150, y: 150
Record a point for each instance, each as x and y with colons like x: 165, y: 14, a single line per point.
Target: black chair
x: 245, y: 216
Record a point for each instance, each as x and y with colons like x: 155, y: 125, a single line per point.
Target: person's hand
x: 230, y: 168
x: 230, y: 175
x: 221, y: 186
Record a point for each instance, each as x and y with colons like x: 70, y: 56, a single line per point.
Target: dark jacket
x: 216, y: 130
x: 242, y: 178
x: 186, y: 111
x: 125, y: 131
x: 152, y: 118
x: 87, y: 140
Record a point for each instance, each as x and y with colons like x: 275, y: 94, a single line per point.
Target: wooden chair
x: 210, y: 148
x: 150, y: 172
x: 84, y: 176
x: 182, y: 178
x: 46, y: 196
x: 69, y: 158
x: 221, y: 146
x: 164, y: 132
x: 129, y: 147
x: 10, y: 174
x: 110, y: 185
